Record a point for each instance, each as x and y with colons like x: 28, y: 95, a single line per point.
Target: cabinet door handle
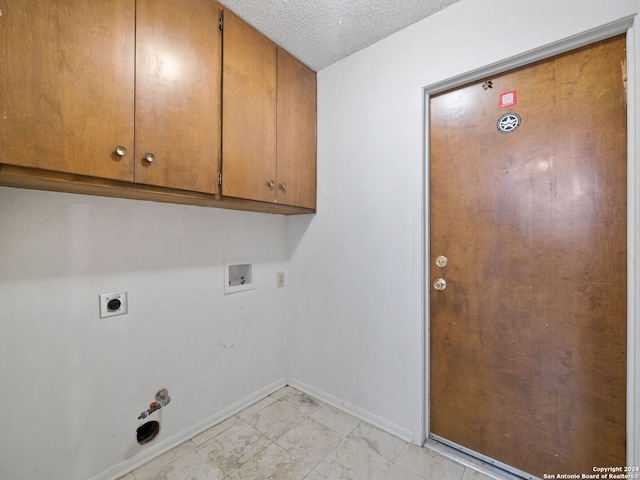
x: 271, y: 184
x: 121, y: 151
x: 149, y: 157
x: 283, y: 187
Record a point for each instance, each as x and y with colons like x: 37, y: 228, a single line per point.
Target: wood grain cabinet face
x: 67, y: 86
x: 248, y: 112
x: 178, y: 77
x: 296, y: 112
x: 68, y: 75
x: 125, y: 98
x: 269, y: 120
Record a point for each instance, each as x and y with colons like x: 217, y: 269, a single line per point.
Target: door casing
x: 624, y: 25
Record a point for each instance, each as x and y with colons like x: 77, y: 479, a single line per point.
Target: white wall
x: 72, y: 385
x: 356, y: 269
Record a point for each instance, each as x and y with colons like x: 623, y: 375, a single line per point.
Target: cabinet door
x: 249, y: 112
x: 66, y: 85
x: 178, y: 70
x: 296, y: 132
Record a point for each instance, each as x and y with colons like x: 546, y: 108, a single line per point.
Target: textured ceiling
x: 321, y: 32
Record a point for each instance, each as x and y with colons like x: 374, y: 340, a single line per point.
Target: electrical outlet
x: 112, y: 304
x: 280, y: 279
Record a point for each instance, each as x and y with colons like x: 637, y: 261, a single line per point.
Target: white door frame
x: 623, y: 25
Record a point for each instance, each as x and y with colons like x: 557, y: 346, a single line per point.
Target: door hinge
x: 219, y: 179
x: 220, y: 22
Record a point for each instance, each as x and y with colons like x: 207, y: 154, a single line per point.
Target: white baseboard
x: 362, y: 414
x: 130, y: 464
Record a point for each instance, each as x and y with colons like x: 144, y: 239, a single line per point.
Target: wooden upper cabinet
x: 269, y: 120
x: 67, y: 97
x: 296, y: 114
x: 67, y: 85
x: 248, y: 112
x: 148, y: 99
x: 178, y: 85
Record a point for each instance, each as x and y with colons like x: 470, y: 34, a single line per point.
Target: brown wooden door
x: 528, y: 340
x: 249, y: 112
x: 296, y: 137
x: 178, y: 87
x: 66, y: 85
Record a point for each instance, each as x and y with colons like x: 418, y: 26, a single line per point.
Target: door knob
x: 149, y: 157
x: 283, y: 187
x: 271, y: 184
x: 440, y: 284
x: 441, y: 261
x: 121, y: 151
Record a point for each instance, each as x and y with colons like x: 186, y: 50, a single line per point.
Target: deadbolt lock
x: 440, y: 284
x: 441, y: 261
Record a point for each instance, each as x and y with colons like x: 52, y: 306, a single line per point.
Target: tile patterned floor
x: 292, y: 436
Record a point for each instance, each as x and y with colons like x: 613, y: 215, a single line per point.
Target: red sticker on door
x: 509, y: 99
